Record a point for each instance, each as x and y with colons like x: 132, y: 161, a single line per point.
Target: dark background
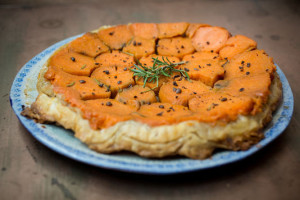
x: 29, y: 170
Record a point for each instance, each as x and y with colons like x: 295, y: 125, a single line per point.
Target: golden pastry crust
x: 191, y: 138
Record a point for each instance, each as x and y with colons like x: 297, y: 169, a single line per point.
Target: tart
x: 159, y: 90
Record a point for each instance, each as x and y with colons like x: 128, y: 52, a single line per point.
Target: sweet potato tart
x: 159, y: 89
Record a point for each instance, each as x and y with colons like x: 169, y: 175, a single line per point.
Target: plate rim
x: 153, y: 167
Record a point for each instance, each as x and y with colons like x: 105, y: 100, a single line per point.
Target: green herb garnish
x: 71, y: 84
x: 162, y: 67
x: 83, y: 66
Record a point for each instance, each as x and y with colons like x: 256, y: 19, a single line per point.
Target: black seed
x: 212, y: 51
x: 159, y: 114
x: 196, y: 69
x: 134, y: 43
x: 111, y: 33
x: 178, y: 51
x: 73, y: 59
x: 115, y: 77
x: 186, y: 69
x: 242, y: 89
x: 248, y: 64
x: 216, y: 57
x: 242, y: 62
x: 139, y: 43
x: 125, y: 69
x: 106, y: 71
x: 135, y: 97
x: 176, y: 97
x: 108, y: 103
x: 172, y: 108
x: 178, y: 91
x: 195, y: 92
x: 101, y: 85
x: 119, y: 82
x: 82, y: 81
x: 182, y: 46
x: 207, y: 43
x: 224, y: 99
x: 161, y: 106
x: 96, y: 63
x: 93, y: 93
x: 174, y: 83
x: 176, y: 76
x: 247, y: 73
x: 208, y: 64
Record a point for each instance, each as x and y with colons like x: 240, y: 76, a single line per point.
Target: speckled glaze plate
x: 23, y: 92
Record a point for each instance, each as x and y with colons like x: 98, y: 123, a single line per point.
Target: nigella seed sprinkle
x: 196, y: 69
x: 247, y: 73
x: 176, y: 97
x: 96, y: 63
x: 108, y: 103
x: 194, y: 92
x: 224, y: 99
x: 82, y: 81
x: 161, y: 106
x: 106, y: 71
x: 242, y: 89
x: 178, y: 91
x: 73, y: 59
x: 208, y: 64
x: 119, y: 82
x: 174, y: 83
x: 242, y: 62
x: 248, y: 64
x: 186, y: 69
x: 134, y: 43
x: 160, y: 114
x: 111, y: 33
x: 207, y: 43
x: 182, y: 46
x: 212, y: 51
x: 93, y: 94
x: 125, y: 69
x: 115, y: 77
x: 135, y: 97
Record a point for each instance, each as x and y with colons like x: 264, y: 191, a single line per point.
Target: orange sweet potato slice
x: 148, y: 61
x: 140, y: 47
x: 161, y: 114
x: 168, y: 30
x: 115, y: 37
x: 235, y: 45
x: 180, y: 91
x: 115, y: 59
x: 73, y: 63
x: 89, y: 44
x: 136, y: 93
x: 193, y: 28
x: 114, y: 77
x: 177, y: 46
x: 144, y: 30
x: 85, y: 86
x: 212, y: 106
x: 257, y: 87
x: 103, y: 113
x: 249, y: 63
x: 201, y: 56
x: 210, y: 38
x: 207, y: 71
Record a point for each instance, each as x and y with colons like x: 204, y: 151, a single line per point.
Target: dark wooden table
x: 29, y: 170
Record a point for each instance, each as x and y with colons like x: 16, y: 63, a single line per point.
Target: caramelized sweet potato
x: 210, y: 38
x: 89, y: 44
x: 257, y: 87
x: 72, y: 63
x: 213, y: 106
x: 144, y: 30
x: 148, y: 61
x: 168, y: 30
x: 201, y: 56
x: 115, y: 59
x: 85, y: 86
x: 136, y: 93
x: 208, y: 71
x: 140, y: 47
x: 103, y: 113
x: 193, y: 28
x: 177, y: 46
x: 115, y: 37
x: 161, y: 114
x: 180, y: 91
x: 114, y: 77
x: 235, y: 45
x: 152, y: 84
x: 249, y: 63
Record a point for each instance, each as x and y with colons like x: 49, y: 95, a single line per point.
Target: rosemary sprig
x: 162, y: 67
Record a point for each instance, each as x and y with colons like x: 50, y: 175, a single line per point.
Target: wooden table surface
x: 29, y: 170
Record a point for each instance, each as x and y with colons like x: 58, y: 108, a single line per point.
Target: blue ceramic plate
x: 23, y: 92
